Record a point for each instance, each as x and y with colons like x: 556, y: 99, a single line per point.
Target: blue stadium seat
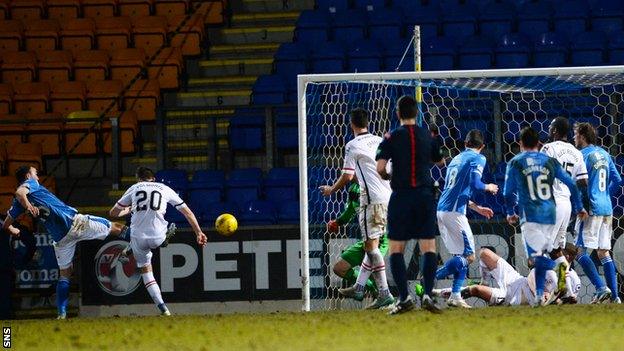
x: 607, y: 16
x: 288, y: 212
x: 332, y: 5
x: 207, y: 184
x: 384, y: 24
x: 370, y: 5
x: 291, y: 60
x: 349, y: 26
x: 364, y: 56
x: 616, y: 48
x: 209, y: 211
x: 570, y: 16
x: 512, y: 51
x: 312, y: 27
x: 247, y: 133
x: 198, y: 197
x: 269, y: 90
x: 287, y: 132
x: 458, y: 21
x: 588, y: 49
x: 534, y: 18
x: 243, y: 185
x: 328, y: 58
x: 281, y: 184
x: 549, y: 50
x: 176, y: 179
x: 475, y: 53
x: 439, y: 54
x: 258, y: 212
x: 496, y: 19
x: 393, y: 51
x: 427, y: 17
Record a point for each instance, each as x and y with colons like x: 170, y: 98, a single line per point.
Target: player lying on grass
x: 353, y: 255
x: 463, y: 177
x: 66, y: 226
x: 514, y: 289
x: 147, y: 201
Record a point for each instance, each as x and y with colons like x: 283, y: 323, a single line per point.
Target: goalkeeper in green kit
x: 353, y: 255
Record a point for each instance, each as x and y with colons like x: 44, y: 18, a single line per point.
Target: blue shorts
x: 412, y: 214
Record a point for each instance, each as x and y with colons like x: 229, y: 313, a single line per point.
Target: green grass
x: 501, y: 328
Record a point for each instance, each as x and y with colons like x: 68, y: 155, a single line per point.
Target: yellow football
x: 226, y: 224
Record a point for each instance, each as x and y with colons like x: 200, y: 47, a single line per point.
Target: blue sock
x: 429, y: 266
x: 610, y: 275
x: 542, y: 265
x: 125, y: 234
x: 460, y: 276
x: 451, y: 267
x: 590, y: 270
x: 399, y: 273
x: 62, y: 295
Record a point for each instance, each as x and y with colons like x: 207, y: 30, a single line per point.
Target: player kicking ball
x: 353, y: 255
x: 512, y: 289
x: 529, y: 184
x: 463, y: 176
x: 374, y: 195
x: 66, y: 226
x: 147, y: 201
x: 595, y: 232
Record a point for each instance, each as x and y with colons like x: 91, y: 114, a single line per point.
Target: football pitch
x: 596, y: 327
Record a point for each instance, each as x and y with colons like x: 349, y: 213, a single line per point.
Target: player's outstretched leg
x: 610, y: 274
x: 542, y: 265
x: 603, y: 293
x: 384, y: 298
x: 62, y: 293
x: 458, y: 267
x: 153, y: 289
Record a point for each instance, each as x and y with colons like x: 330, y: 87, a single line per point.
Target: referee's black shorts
x: 412, y: 214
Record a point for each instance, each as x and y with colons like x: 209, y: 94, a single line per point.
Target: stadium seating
x: 497, y: 19
x: 288, y: 212
x: 258, y: 212
x: 364, y: 56
x: 349, y: 26
x: 312, y: 27
x: 176, y: 179
x: 291, y: 59
x: 476, y: 53
x: 550, y: 50
x: 281, y: 184
x: 534, y: 18
x: 572, y: 17
x: 607, y: 16
x: 243, y: 185
x: 512, y: 51
x: 247, y: 133
x: 67, y: 97
x: 588, y: 49
x: 441, y: 53
x: 269, y: 89
x: 384, y: 23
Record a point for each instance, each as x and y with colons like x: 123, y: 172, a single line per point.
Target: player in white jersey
x: 375, y: 193
x: 572, y: 162
x: 514, y: 289
x: 147, y: 201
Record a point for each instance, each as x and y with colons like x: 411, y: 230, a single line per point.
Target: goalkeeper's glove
x: 332, y: 226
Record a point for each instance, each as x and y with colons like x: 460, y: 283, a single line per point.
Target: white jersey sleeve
x: 349, y: 160
x: 580, y: 168
x: 126, y: 198
x: 174, y: 199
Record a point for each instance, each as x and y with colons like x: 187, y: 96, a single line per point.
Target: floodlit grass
x: 501, y: 328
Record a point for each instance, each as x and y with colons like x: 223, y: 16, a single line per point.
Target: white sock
x: 379, y: 270
x: 562, y: 259
x: 152, y: 287
x: 365, y: 272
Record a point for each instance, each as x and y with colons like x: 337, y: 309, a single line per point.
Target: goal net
x: 497, y: 102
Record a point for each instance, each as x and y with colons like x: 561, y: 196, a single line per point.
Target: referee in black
x: 412, y: 209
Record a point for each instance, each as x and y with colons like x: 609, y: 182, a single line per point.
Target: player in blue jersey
x: 66, y: 226
x: 529, y: 184
x: 595, y: 231
x: 463, y: 176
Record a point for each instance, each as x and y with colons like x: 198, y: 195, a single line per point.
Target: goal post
x: 499, y: 102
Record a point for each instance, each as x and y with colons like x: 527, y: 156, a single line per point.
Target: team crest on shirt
x: 116, y: 274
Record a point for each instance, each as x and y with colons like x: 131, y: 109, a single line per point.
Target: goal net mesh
x: 498, y: 106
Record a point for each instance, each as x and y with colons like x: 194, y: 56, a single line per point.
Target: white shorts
x: 564, y: 212
x: 594, y: 232
x: 84, y: 227
x: 537, y: 237
x: 142, y: 249
x: 373, y: 219
x: 456, y: 233
x: 508, y: 281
